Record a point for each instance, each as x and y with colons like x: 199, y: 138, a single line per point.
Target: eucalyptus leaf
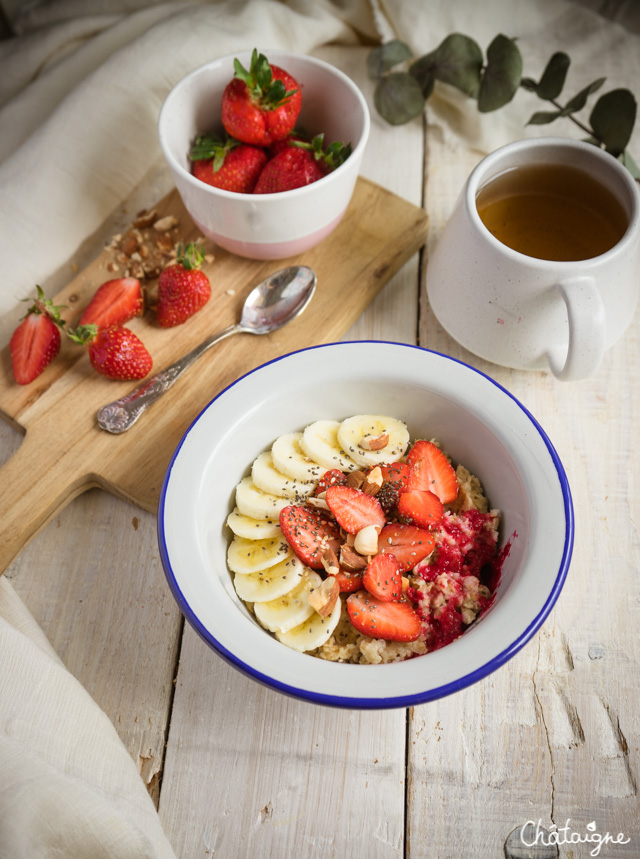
x: 578, y: 101
x: 612, y: 119
x: 398, y: 98
x: 529, y: 84
x: 553, y: 78
x: 502, y: 74
x: 456, y: 61
x: 630, y: 164
x: 543, y: 117
x: 382, y: 59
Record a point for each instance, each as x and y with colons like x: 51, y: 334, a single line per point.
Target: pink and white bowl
x: 266, y: 226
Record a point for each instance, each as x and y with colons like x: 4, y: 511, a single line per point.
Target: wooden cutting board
x: 64, y: 452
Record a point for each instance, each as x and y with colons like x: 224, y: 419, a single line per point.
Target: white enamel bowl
x: 478, y: 422
x: 266, y: 226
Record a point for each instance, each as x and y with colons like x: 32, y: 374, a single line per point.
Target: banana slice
x: 270, y: 584
x: 252, y: 529
x: 320, y: 442
x: 290, y: 610
x: 373, y: 439
x: 252, y: 502
x: 251, y: 556
x: 290, y: 459
x: 268, y: 479
x: 313, y: 632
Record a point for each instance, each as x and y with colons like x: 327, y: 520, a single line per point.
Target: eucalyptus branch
x: 404, y: 84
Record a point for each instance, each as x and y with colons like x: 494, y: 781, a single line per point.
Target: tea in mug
x: 552, y: 211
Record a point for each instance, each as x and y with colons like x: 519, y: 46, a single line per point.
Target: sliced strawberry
x: 421, y: 507
x: 408, y: 543
x: 393, y: 621
x: 432, y: 470
x: 349, y: 582
x: 34, y: 345
x: 309, y: 533
x: 36, y: 341
x: 397, y: 474
x: 114, y: 303
x: 353, y: 509
x: 333, y: 477
x: 383, y: 578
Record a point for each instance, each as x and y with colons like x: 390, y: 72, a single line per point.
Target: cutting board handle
x: 36, y: 483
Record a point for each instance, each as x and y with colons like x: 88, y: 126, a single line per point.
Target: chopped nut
x: 350, y: 560
x: 330, y: 562
x: 366, y: 542
x: 373, y: 481
x: 319, y: 503
x: 209, y: 258
x: 136, y: 270
x: 164, y: 243
x: 165, y: 224
x: 324, y: 597
x: 355, y: 479
x: 405, y: 584
x: 112, y: 266
x: 374, y: 442
x: 145, y: 219
x: 130, y: 245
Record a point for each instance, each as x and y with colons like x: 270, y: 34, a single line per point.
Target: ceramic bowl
x: 478, y: 422
x: 266, y: 226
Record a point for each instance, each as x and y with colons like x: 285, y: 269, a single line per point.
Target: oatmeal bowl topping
x: 370, y: 538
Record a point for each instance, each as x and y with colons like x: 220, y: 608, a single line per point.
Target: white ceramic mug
x: 530, y: 313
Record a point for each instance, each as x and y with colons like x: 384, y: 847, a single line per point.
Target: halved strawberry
x: 309, y: 533
x: 397, y: 474
x: 432, y: 470
x: 393, y: 621
x: 383, y: 578
x: 408, y: 543
x: 353, y: 509
x: 114, y: 303
x: 333, y: 477
x: 421, y: 507
x: 36, y: 341
x: 349, y: 582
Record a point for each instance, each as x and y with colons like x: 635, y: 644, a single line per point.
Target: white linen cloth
x: 81, y: 85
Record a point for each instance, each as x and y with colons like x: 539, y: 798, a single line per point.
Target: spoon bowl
x: 278, y: 299
x: 269, y: 306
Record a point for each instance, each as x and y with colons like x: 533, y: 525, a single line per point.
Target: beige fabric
x: 80, y: 91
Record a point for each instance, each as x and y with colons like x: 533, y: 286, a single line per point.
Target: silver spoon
x: 269, y: 306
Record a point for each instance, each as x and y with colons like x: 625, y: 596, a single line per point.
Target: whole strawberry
x: 115, y: 352
x: 183, y: 288
x: 300, y: 164
x: 114, y: 303
x: 36, y: 341
x: 260, y: 105
x: 230, y: 165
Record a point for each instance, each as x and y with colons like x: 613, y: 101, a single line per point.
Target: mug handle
x: 586, y: 318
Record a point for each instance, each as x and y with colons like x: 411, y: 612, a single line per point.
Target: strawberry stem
x: 190, y: 257
x: 84, y: 334
x: 211, y: 147
x: 266, y: 92
x: 333, y: 156
x: 44, y: 305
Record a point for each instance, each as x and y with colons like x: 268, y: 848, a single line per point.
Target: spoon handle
x: 118, y: 416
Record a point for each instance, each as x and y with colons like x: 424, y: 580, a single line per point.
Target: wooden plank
x: 553, y: 735
x: 250, y: 772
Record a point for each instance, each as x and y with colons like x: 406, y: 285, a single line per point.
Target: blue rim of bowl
x: 401, y: 701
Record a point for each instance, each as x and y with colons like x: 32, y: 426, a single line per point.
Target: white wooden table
x: 239, y: 770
